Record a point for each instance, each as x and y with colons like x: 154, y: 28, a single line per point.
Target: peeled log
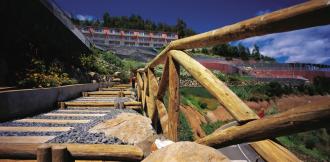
x: 234, y: 105
x: 173, y: 99
x: 295, y: 120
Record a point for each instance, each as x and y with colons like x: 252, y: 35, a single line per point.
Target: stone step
x: 53, y: 121
x: 25, y: 139
x: 64, y: 114
x: 85, y: 111
x: 35, y: 129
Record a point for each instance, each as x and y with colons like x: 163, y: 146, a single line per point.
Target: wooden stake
x: 60, y: 154
x: 44, y: 153
x: 174, y: 99
x: 163, y: 85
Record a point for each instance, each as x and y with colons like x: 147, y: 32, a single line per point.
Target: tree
x: 204, y: 50
x: 255, y: 52
x: 241, y: 50
x: 180, y: 28
x: 106, y: 19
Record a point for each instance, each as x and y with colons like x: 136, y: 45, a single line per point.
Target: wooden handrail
x: 305, y: 15
x: 77, y: 151
x: 309, y: 14
x: 235, y: 106
x: 302, y: 118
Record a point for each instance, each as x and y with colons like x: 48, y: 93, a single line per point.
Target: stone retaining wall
x: 25, y: 102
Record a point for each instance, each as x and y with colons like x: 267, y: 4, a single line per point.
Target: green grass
x: 198, y: 91
x: 314, y: 143
x: 199, y: 98
x: 184, y: 130
x: 211, y: 127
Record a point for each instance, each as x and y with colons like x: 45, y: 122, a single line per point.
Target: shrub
x: 203, y: 105
x: 272, y: 110
x: 185, y: 132
x: 312, y: 143
x: 39, y: 75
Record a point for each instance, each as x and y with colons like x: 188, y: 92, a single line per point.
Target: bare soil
x: 195, y: 119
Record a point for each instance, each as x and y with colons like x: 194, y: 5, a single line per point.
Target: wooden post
x: 85, y: 94
x: 60, y: 154
x: 163, y: 84
x: 174, y: 99
x: 144, y: 93
x: 163, y: 116
x: 44, y: 153
x: 61, y: 105
x: 234, y: 105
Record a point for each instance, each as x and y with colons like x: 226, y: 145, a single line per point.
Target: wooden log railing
x: 292, y: 18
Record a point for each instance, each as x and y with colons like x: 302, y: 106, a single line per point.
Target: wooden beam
x: 77, y: 151
x: 25, y: 139
x: 139, y: 80
x: 292, y: 18
x: 99, y: 104
x: 108, y: 93
x: 145, y: 88
x: 234, y: 105
x: 55, y: 121
x: 34, y: 129
x: 163, y: 85
x: 271, y: 151
x: 163, y: 116
x: 152, y: 88
x: 71, y: 114
x: 299, y: 119
x: 173, y: 99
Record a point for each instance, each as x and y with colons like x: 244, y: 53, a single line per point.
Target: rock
x: 130, y: 128
x: 186, y: 152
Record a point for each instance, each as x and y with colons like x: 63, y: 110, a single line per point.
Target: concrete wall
x: 225, y: 68
x: 22, y: 103
x: 310, y: 75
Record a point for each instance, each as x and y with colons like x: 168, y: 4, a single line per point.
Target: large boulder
x: 186, y: 152
x: 131, y: 128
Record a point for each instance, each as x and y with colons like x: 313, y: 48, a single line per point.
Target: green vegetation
x: 137, y: 22
x: 97, y: 66
x: 312, y: 143
x: 229, y: 52
x: 211, y: 127
x: 185, y: 132
x: 40, y: 75
x: 239, y: 51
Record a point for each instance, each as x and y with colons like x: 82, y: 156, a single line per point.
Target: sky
x: 308, y: 45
